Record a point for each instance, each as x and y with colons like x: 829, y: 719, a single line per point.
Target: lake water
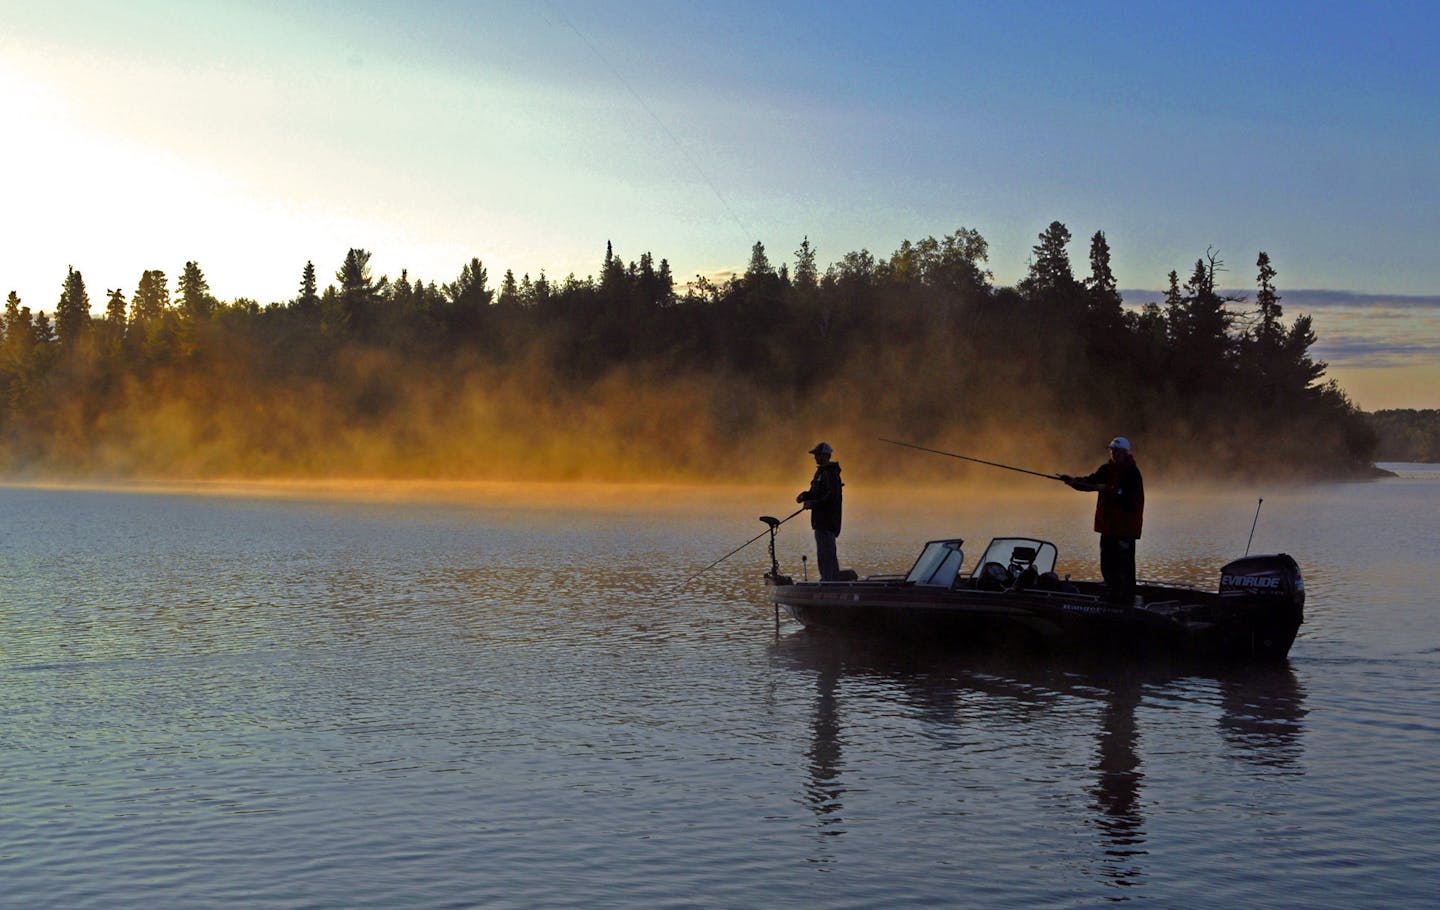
x: 312, y: 703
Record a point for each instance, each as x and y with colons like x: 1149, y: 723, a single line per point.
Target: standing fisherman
x: 1119, y: 513
x: 823, y: 499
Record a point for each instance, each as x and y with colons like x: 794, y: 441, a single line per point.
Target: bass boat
x: 1012, y: 595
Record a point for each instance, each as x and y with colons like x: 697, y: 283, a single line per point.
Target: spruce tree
x: 72, y: 313
x: 1050, y: 278
x: 1269, y: 332
x: 309, y: 298
x: 12, y: 315
x: 151, y: 299
x: 509, y: 289
x: 807, y: 276
x: 1104, y: 295
x: 195, y: 300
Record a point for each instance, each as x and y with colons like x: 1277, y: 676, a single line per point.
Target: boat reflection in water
x: 987, y: 747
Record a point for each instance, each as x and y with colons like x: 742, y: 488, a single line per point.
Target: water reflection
x: 1118, y: 776
x: 825, y: 789
x: 1262, y: 715
x: 1258, y: 713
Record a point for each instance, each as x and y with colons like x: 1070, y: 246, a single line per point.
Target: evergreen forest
x: 1407, y: 434
x: 630, y: 375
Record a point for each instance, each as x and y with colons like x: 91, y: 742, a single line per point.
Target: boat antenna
x: 1258, y: 503
x: 770, y: 525
x: 993, y: 464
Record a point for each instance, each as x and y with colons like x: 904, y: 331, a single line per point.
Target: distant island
x: 624, y: 375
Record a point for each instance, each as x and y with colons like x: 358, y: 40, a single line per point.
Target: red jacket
x: 1120, y: 501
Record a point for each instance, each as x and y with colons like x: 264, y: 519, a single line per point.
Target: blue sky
x: 252, y: 137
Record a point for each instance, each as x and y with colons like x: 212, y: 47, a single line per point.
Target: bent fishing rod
x: 993, y: 464
x: 770, y: 525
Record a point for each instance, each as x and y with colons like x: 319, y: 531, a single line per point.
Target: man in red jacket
x: 1119, y: 513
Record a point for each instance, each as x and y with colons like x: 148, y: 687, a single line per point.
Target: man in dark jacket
x: 1119, y: 514
x: 823, y: 499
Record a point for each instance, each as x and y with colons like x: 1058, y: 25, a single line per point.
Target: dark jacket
x: 1120, y: 500
x: 824, y: 498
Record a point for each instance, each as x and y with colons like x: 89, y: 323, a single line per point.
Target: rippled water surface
x: 291, y: 703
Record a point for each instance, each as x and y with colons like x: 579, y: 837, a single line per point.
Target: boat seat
x: 1022, y: 558
x: 993, y: 577
x: 1026, y: 578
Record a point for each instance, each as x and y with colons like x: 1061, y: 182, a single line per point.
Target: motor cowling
x: 1271, y: 577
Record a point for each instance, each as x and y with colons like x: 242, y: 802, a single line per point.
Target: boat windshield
x: 1018, y: 554
x: 938, y: 564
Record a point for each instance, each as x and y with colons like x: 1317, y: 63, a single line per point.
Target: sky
x: 253, y: 137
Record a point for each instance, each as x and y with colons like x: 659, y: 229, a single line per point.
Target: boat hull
x: 1164, y: 619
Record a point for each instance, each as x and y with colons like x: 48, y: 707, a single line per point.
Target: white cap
x: 822, y: 447
x: 1121, y: 443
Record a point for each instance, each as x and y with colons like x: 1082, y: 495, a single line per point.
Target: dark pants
x: 825, y: 555
x: 1117, y: 566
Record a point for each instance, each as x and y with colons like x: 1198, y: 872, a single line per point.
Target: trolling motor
x: 774, y: 576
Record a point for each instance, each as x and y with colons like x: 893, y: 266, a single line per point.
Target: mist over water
x: 472, y: 695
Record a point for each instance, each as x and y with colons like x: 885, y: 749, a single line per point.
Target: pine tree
x: 11, y: 323
x: 759, y: 268
x: 151, y: 298
x: 113, y: 326
x: 469, y: 299
x: 662, y: 292
x: 612, y: 273
x: 1173, y: 297
x: 44, y: 331
x: 357, y: 287
x: 1104, y: 295
x: 1269, y: 332
x: 1205, y: 315
x: 402, y: 292
x: 72, y: 313
x: 356, y: 298
x: 115, y: 307
x: 1050, y: 278
x: 309, y: 299
x: 195, y: 300
x: 807, y: 276
x: 17, y: 354
x: 1302, y: 373
x: 509, y: 290
x: 469, y: 290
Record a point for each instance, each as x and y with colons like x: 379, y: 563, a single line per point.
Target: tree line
x: 1407, y: 434
x: 464, y: 378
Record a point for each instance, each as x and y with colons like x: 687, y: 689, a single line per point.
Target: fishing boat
x: 1012, y: 596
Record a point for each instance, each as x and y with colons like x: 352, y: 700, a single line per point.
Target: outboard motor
x: 1267, y: 596
x: 1264, y: 577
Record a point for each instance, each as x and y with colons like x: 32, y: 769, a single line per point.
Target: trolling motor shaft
x: 774, y: 524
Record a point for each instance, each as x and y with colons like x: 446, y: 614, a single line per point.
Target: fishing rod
x: 1258, y: 503
x: 770, y: 525
x: 993, y: 464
